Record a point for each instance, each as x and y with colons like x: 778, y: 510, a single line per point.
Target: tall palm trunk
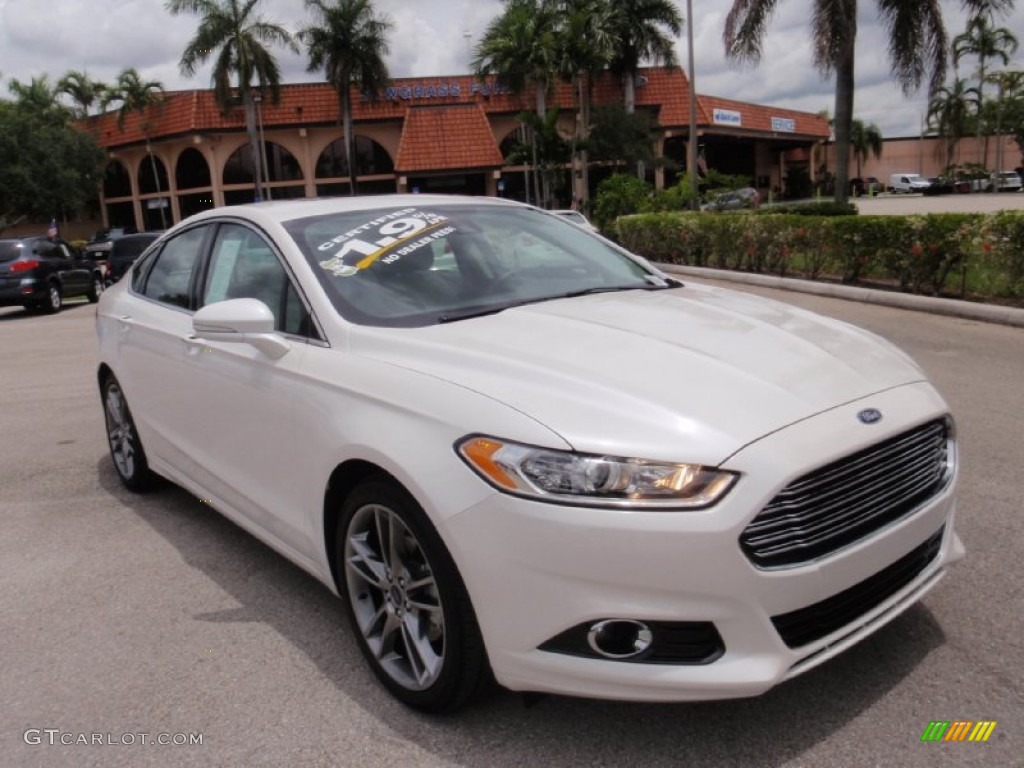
x: 254, y: 144
x: 540, y: 180
x: 982, y: 143
x: 844, y: 111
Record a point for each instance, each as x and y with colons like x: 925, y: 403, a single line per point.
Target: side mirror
x: 241, y: 321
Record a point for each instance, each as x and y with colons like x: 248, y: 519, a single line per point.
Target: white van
x: 907, y: 182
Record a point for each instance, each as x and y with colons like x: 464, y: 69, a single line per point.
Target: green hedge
x: 918, y: 254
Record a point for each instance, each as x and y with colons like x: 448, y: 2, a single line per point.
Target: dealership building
x: 437, y: 134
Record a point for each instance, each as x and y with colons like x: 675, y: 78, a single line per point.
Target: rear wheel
x: 413, y: 618
x: 123, y: 439
x: 53, y: 301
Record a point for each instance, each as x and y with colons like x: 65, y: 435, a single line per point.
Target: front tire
x: 406, y: 601
x: 95, y: 289
x: 125, y: 448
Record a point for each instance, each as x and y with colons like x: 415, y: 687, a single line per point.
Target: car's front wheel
x: 123, y: 438
x: 95, y: 289
x: 408, y: 605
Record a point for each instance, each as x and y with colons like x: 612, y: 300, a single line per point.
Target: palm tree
x: 237, y: 38
x: 83, y: 91
x: 865, y: 140
x: 520, y: 47
x: 950, y: 112
x: 39, y: 97
x: 917, y: 46
x: 133, y: 93
x: 639, y: 27
x: 584, y: 48
x: 349, y: 42
x: 137, y: 95
x: 987, y: 42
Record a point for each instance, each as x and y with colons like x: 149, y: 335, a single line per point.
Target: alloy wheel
x: 120, y: 432
x: 394, y: 597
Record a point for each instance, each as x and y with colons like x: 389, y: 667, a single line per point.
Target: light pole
x: 264, y: 169
x: 691, y: 145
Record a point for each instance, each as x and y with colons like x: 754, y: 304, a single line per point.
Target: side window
x: 44, y: 248
x: 170, y: 276
x: 244, y: 266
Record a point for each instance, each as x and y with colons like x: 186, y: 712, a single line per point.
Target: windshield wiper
x: 471, y: 312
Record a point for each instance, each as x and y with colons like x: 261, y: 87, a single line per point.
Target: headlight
x: 578, y: 478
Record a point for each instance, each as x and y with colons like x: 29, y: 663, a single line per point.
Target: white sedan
x: 516, y: 450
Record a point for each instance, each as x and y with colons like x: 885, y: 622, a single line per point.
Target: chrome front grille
x: 845, y: 501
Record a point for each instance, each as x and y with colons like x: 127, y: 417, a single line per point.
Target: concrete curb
x: 987, y: 313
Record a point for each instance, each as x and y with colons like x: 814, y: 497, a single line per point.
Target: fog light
x: 619, y: 638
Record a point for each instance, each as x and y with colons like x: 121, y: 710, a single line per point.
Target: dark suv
x: 126, y: 250
x: 40, y: 272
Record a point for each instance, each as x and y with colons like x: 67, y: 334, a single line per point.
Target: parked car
x: 738, y: 199
x: 38, y: 273
x: 103, y: 239
x: 1004, y: 181
x: 938, y: 185
x: 542, y: 457
x: 907, y: 182
x: 576, y: 218
x: 125, y: 250
x: 868, y: 185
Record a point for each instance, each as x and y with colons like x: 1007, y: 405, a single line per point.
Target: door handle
x: 124, y: 324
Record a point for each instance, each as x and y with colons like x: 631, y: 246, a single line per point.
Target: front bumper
x: 535, y: 570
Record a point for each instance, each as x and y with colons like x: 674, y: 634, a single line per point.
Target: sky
x: 430, y: 38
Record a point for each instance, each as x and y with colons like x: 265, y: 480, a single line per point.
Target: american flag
x: 54, y: 230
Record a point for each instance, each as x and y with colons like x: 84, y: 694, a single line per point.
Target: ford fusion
x: 517, y: 452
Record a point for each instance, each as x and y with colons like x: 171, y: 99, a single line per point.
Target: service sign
x: 727, y: 117
x: 783, y: 125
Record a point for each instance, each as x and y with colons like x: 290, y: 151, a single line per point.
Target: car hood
x: 690, y: 374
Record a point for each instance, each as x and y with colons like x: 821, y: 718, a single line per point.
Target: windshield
x: 418, y: 266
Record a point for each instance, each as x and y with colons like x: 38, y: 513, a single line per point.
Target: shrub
x: 919, y: 253
x: 620, y: 195
x: 816, y: 208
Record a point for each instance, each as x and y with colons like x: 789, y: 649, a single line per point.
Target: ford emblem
x: 870, y: 416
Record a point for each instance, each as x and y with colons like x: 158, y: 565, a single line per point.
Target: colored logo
x: 958, y: 730
x: 870, y: 416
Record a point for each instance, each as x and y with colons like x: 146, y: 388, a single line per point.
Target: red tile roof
x: 447, y: 137
x: 183, y: 112
x: 756, y: 117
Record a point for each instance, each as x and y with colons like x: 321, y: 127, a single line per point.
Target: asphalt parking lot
x: 126, y: 615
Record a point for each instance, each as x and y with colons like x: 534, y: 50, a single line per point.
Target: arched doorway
x: 375, y: 170
x: 192, y: 178
x: 281, y: 167
x: 117, y: 195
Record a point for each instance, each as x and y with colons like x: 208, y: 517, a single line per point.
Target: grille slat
x: 902, y: 483
x: 865, y: 504
x: 805, y: 625
x: 784, y: 501
x: 906, y: 445
x: 843, y: 502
